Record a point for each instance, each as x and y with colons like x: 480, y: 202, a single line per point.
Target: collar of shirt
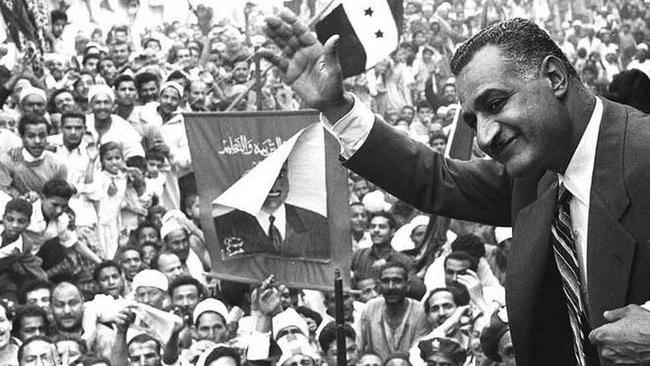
x: 578, y: 174
x: 29, y: 158
x: 280, y: 220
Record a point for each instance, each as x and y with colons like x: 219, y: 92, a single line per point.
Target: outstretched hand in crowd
x: 312, y: 69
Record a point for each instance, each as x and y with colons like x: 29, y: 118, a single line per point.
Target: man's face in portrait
x: 279, y: 191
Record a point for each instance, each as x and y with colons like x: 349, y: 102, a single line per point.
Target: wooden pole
x: 258, y: 82
x: 341, y: 354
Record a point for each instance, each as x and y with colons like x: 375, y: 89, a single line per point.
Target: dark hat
x: 447, y: 347
x: 493, y: 333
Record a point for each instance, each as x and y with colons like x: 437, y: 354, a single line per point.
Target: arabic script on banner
x: 244, y: 145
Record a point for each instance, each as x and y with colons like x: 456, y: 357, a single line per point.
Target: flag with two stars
x: 369, y: 31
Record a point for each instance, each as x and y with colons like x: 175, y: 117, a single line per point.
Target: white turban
x: 210, y: 304
x: 98, y: 89
x: 169, y: 227
x: 288, y: 318
x: 172, y: 84
x: 150, y: 278
x: 30, y: 90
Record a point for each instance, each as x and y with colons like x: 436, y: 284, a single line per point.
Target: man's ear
x: 554, y: 70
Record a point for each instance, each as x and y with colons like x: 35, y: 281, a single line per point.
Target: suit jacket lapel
x: 529, y: 253
x: 610, y: 250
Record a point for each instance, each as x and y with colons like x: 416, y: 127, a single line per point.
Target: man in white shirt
x: 108, y: 127
x: 542, y: 127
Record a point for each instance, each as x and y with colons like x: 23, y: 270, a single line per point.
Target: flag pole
x: 341, y: 359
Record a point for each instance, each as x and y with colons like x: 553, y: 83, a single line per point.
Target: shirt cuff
x: 353, y: 129
x: 646, y: 305
x: 258, y: 346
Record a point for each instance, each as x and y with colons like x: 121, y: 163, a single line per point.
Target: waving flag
x: 369, y: 31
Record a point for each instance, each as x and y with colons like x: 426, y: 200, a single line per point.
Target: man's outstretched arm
x: 476, y: 191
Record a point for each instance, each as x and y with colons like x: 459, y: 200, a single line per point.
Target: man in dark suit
x: 570, y: 174
x: 279, y: 228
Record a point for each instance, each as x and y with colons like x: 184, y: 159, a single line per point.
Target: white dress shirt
x: 577, y: 179
x: 280, y: 220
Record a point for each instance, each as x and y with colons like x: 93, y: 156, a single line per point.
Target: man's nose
x: 486, y: 131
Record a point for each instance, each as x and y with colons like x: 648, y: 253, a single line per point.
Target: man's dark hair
x: 57, y: 14
x: 105, y: 264
x: 144, y: 338
x: 423, y: 104
x: 458, y: 293
x: 32, y: 119
x: 58, y: 188
x: 328, y: 335
x: 222, y: 351
x: 144, y: 78
x: 177, y: 74
x: 32, y: 286
x: 29, y: 340
x: 186, y: 280
x: 72, y: 114
x: 389, y: 216
x: 469, y: 243
x: 631, y: 87
x: 126, y: 248
x: 51, y: 105
x: 460, y: 255
x: 104, y: 60
x: 122, y: 78
x: 520, y: 41
x: 89, y: 56
x: 19, y: 205
x: 28, y: 311
x: 137, y: 161
x: 81, y: 73
x: 147, y: 224
x: 394, y: 264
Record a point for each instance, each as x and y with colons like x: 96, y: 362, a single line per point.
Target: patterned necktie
x: 566, y: 259
x: 112, y: 188
x: 274, y: 233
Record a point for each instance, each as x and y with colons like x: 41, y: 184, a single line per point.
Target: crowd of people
x: 102, y: 257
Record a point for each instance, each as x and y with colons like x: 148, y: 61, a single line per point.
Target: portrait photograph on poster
x: 266, y: 183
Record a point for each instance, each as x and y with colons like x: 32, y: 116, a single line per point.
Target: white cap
x: 640, y: 46
x: 212, y: 305
x: 169, y: 227
x: 30, y: 90
x: 502, y: 233
x: 172, y: 84
x: 288, y: 318
x: 99, y: 89
x: 150, y: 278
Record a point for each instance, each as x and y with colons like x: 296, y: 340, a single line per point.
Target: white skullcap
x: 419, y: 221
x: 374, y: 202
x: 298, y: 345
x: 172, y: 84
x: 502, y: 233
x: 210, y: 304
x: 150, y: 278
x: 98, y: 89
x: 642, y: 46
x: 288, y: 318
x: 169, y: 227
x: 30, y: 90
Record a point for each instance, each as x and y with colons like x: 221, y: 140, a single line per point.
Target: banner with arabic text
x: 273, y: 196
